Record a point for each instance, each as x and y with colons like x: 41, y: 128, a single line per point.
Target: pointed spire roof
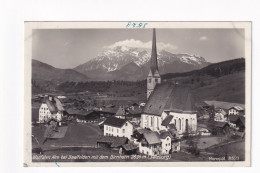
x: 154, y: 64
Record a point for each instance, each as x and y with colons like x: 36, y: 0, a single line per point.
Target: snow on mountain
x: 113, y: 59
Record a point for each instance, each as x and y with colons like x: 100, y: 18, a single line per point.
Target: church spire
x: 154, y: 65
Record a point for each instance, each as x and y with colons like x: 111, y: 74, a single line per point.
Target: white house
x: 235, y: 110
x: 150, y: 144
x: 51, y: 108
x: 220, y: 115
x: 118, y: 127
x: 166, y: 139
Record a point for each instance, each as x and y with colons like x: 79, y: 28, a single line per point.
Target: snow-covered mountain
x: 127, y: 63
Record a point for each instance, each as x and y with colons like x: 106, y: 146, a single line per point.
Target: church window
x: 179, y: 124
x: 123, y: 130
x: 150, y: 80
x: 156, y: 80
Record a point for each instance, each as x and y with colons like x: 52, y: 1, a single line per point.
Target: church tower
x: 153, y: 77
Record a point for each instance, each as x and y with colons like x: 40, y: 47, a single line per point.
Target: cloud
x: 139, y: 44
x: 203, y: 38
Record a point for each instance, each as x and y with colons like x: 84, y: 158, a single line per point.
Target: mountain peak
x: 114, y: 58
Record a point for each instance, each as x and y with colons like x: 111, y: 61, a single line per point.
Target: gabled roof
x: 167, y: 120
x: 158, y: 99
x: 181, y: 100
x: 238, y: 108
x: 129, y: 147
x: 115, y: 122
x: 136, y: 110
x: 152, y: 138
x: 142, y: 131
x: 169, y: 97
x: 121, y: 111
x: 164, y: 134
x: 222, y: 112
x: 55, y: 105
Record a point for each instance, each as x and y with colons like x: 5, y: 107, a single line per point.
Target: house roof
x: 167, y: 120
x: 223, y: 112
x: 113, y: 141
x: 181, y: 100
x: 238, y: 108
x: 142, y: 131
x: 129, y: 147
x: 152, y: 138
x: 158, y: 99
x: 55, y: 105
x: 73, y: 111
x: 136, y: 110
x: 169, y: 97
x: 121, y: 111
x: 164, y: 134
x: 115, y: 122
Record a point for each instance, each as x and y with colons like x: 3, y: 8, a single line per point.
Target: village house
x: 121, y: 112
x: 118, y: 127
x: 51, y: 108
x: 219, y: 128
x: 237, y: 122
x: 236, y: 110
x: 150, y: 144
x: 220, y: 115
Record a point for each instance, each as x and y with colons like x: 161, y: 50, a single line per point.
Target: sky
x: 68, y: 48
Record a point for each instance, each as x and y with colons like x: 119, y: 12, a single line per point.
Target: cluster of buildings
x: 153, y: 128
x: 231, y: 114
x: 169, y: 113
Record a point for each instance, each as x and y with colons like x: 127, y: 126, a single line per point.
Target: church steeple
x: 154, y: 65
x: 153, y: 76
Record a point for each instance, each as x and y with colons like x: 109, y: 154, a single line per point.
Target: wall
x: 149, y: 150
x: 44, y: 113
x: 119, y: 132
x: 179, y: 119
x: 151, y: 121
x: 166, y: 145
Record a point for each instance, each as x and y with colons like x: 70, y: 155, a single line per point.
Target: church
x: 168, y: 105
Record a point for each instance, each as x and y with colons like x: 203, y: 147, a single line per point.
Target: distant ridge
x: 46, y: 72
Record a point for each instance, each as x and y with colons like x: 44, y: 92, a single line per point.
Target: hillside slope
x: 45, y: 72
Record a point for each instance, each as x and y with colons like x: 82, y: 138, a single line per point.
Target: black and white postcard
x: 137, y: 93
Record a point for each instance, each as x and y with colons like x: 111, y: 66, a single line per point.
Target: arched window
x: 150, y: 80
x: 179, y: 124
x: 187, y: 125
